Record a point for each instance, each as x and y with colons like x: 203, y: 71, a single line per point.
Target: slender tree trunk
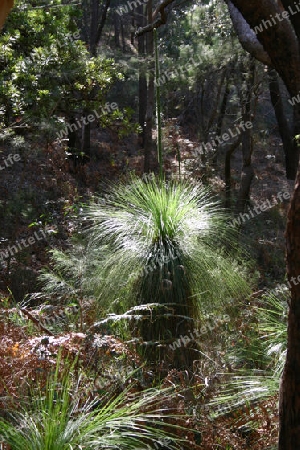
x: 72, y: 141
x: 228, y: 155
x: 148, y: 141
x: 4, y: 10
x: 123, y: 37
x: 94, y: 26
x: 294, y: 157
x: 117, y: 30
x: 97, y: 22
x: 220, y: 119
x: 141, y: 22
x: 132, y: 34
x: 247, y: 145
x: 86, y: 142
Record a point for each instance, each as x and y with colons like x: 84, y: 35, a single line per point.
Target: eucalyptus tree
x: 48, y: 78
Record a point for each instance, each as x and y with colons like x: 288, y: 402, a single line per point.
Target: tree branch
x: 36, y: 321
x: 160, y: 10
x: 278, y: 38
x: 246, y: 35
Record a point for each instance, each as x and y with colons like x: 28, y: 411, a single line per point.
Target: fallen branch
x: 36, y: 321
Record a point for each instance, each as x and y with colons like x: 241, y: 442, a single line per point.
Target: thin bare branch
x: 157, y: 21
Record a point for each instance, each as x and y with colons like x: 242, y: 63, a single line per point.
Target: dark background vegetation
x: 50, y: 295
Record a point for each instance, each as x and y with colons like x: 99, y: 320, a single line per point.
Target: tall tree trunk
x: 141, y: 22
x: 294, y: 160
x: 72, y: 140
x: 4, y: 10
x: 123, y: 36
x: 86, y: 142
x: 289, y: 404
x: 94, y: 26
x: 132, y: 34
x: 247, y: 144
x: 285, y: 130
x: 97, y: 22
x: 228, y: 154
x: 148, y: 141
x: 117, y: 30
x: 220, y: 119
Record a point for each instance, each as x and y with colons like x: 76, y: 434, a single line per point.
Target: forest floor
x: 45, y: 191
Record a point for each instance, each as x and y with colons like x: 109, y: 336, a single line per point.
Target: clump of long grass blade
x: 240, y: 390
x: 57, y: 419
x: 248, y: 385
x: 72, y: 272
x: 272, y: 319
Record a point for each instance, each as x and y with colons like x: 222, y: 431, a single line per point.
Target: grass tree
x: 168, y: 247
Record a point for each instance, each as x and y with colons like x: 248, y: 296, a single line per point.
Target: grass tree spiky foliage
x: 57, y: 419
x: 70, y: 280
x: 166, y: 244
x: 72, y: 272
x: 247, y: 385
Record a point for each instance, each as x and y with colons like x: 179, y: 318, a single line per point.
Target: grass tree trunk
x: 168, y: 329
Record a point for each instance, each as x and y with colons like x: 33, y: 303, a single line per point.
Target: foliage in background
x: 47, y: 74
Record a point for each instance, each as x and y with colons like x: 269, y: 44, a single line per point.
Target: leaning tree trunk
x: 285, y: 131
x: 289, y: 404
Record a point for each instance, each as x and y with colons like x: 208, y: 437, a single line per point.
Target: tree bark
x: 247, y: 143
x: 96, y: 20
x: 229, y: 152
x: 117, y: 30
x: 85, y: 142
x: 289, y: 404
x: 221, y: 117
x: 5, y: 7
x: 279, y: 39
x: 246, y: 35
x: 148, y: 144
x: 285, y: 130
